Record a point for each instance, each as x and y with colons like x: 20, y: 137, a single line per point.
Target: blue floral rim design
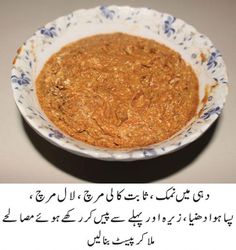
x: 196, y: 47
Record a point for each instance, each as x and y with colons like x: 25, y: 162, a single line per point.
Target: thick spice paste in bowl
x: 119, y: 83
x: 118, y: 91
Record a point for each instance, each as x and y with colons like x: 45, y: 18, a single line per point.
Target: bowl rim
x: 130, y: 154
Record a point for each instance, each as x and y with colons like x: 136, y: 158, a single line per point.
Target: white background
x: 71, y: 236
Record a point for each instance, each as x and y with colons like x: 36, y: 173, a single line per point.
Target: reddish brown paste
x: 118, y: 91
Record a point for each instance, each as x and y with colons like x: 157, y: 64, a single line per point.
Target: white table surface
x: 26, y: 157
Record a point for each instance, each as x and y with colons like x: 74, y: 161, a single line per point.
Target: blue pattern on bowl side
x: 140, y: 21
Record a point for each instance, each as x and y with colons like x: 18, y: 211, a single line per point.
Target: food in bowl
x: 195, y: 49
x: 118, y: 91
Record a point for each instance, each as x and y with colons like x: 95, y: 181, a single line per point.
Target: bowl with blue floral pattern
x: 195, y: 48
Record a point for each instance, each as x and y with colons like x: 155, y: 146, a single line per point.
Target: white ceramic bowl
x: 194, y: 47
